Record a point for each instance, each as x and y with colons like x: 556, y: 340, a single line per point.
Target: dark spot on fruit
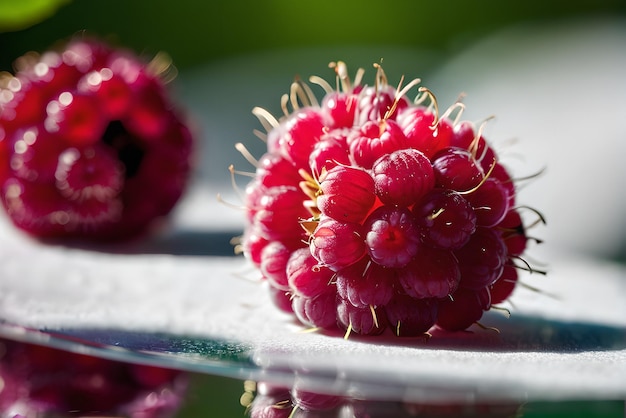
x: 129, y: 151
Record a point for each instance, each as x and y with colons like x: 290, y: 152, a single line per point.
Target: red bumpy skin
x: 90, y: 143
x: 372, y: 212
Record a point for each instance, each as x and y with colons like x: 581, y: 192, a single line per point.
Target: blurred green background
x: 247, y: 52
x: 198, y: 33
x: 195, y: 32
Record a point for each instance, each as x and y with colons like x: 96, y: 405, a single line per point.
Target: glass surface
x: 187, y: 377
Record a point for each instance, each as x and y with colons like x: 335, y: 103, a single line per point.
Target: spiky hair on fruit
x: 91, y: 145
x: 372, y: 212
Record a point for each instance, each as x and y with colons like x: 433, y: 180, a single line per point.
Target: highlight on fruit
x: 374, y: 212
x: 91, y: 144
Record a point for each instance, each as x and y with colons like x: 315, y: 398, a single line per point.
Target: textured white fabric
x: 573, y: 346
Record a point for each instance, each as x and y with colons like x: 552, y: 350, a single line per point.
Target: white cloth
x: 570, y: 347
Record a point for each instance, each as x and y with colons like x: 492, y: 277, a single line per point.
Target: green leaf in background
x: 15, y: 15
x: 197, y: 32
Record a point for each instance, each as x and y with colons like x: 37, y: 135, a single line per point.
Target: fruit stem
x: 348, y: 331
x: 399, y: 94
x: 531, y: 176
x: 268, y: 120
x: 433, y: 103
x: 293, y: 411
x: 328, y: 89
x: 302, y: 92
x: 284, y: 100
x: 221, y: 200
x: 359, y: 76
x: 485, y: 327
x: 341, y: 70
x: 527, y: 267
x: 162, y: 66
x: 504, y: 310
x: 537, y: 290
x: 260, y: 135
x: 473, y: 148
x: 374, y: 317
x: 246, y: 154
x: 457, y: 106
x: 484, y: 179
x: 231, y: 170
x: 436, y: 214
x: 381, y: 77
x: 541, y: 219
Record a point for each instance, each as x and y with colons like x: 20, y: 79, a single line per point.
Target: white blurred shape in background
x: 558, y: 91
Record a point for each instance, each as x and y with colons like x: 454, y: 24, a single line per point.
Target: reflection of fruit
x: 42, y: 380
x: 388, y: 209
x: 90, y: 144
x: 272, y: 401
